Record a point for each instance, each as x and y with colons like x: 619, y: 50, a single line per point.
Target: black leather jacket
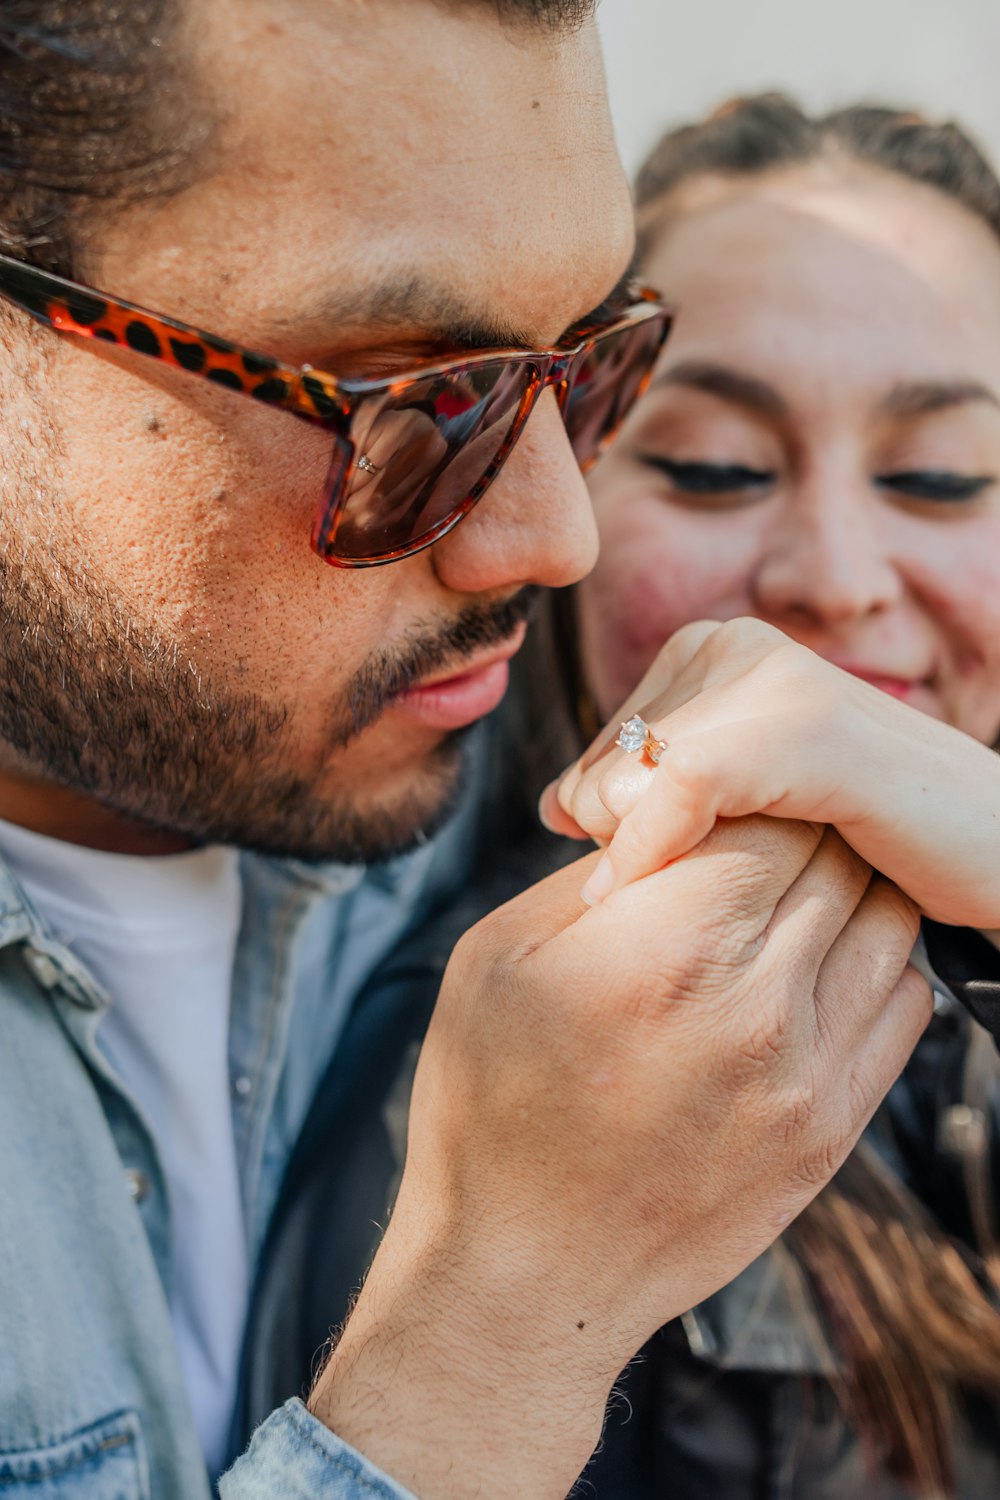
x: 729, y: 1403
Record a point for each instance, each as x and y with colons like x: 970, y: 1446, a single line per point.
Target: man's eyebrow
x: 618, y: 300
x: 731, y: 385
x: 922, y: 398
x: 414, y: 302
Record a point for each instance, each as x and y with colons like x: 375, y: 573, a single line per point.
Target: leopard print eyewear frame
x: 440, y: 433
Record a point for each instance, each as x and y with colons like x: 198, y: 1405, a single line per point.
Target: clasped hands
x: 620, y: 1104
x: 758, y: 724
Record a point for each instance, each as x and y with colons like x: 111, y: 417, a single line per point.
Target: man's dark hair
x: 83, y: 87
x: 94, y: 107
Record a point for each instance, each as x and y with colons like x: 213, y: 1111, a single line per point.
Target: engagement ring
x: 635, y: 736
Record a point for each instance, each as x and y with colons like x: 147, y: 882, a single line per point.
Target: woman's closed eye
x: 709, y: 479
x: 942, y: 485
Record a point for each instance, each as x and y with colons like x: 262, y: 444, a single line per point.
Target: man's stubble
x: 94, y: 698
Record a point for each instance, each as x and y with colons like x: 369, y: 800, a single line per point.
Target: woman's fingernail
x: 601, y: 883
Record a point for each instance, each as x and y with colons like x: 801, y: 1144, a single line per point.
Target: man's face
x: 380, y: 174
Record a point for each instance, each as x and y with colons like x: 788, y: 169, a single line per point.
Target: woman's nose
x: 535, y: 524
x: 826, y: 559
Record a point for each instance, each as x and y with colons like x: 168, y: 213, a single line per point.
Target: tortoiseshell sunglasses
x: 412, y: 454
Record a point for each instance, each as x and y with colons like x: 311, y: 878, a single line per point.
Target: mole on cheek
x: 151, y: 422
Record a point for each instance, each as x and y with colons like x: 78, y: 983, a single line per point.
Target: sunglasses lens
x: 607, y: 382
x: 422, y: 456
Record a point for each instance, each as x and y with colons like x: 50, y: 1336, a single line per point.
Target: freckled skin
x: 184, y: 510
x: 834, y: 285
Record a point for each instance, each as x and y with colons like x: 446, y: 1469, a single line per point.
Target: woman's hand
x: 758, y: 724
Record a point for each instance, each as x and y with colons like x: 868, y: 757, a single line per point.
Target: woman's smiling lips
x: 907, y: 689
x: 454, y: 701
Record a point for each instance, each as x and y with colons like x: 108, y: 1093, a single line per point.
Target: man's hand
x: 616, y: 1109
x: 758, y: 724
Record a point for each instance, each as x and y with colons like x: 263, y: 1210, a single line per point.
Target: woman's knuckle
x: 791, y: 669
x: 747, y: 633
x: 585, y: 804
x: 687, y: 765
x: 614, y: 792
x: 693, y: 634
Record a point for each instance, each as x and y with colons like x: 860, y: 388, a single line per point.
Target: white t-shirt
x: 160, y: 935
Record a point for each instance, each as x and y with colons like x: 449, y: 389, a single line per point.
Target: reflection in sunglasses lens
x: 423, y: 455
x: 608, y: 382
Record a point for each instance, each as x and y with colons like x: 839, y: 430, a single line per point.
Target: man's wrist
x: 443, y: 1369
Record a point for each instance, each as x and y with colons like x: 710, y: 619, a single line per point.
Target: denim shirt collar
x: 53, y: 965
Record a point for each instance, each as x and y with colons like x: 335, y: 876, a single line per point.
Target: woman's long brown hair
x: 912, y: 1316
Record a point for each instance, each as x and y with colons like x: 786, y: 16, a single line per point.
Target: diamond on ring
x: 364, y: 462
x: 632, y: 735
x: 635, y: 736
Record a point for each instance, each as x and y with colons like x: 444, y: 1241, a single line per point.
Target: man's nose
x: 827, y: 557
x: 535, y: 524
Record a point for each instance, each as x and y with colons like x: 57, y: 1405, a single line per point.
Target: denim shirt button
x: 242, y: 1086
x: 136, y: 1184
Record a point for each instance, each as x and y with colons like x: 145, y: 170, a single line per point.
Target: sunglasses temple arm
x: 70, y: 309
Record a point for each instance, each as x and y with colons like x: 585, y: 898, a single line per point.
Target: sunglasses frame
x: 313, y: 395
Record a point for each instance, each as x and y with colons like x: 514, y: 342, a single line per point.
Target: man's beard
x: 95, y: 702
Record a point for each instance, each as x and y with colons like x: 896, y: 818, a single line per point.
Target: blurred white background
x: 672, y: 60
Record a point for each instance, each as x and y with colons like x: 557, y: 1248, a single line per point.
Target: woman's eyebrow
x: 921, y: 398
x: 731, y: 385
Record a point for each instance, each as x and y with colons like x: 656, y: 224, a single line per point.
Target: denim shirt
x: 92, y: 1403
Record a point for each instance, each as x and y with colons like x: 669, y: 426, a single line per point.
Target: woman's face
x: 820, y: 446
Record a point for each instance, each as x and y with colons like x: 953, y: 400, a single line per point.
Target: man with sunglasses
x: 406, y: 229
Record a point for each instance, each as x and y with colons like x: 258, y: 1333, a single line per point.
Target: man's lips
x: 459, y: 698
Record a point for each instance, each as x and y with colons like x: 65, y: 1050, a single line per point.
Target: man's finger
x: 864, y: 966
x: 816, y: 909
x: 721, y: 897
x: 536, y: 915
x: 898, y: 1027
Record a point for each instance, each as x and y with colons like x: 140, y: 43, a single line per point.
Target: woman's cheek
x: 959, y: 586
x: 974, y: 625
x: 659, y: 568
